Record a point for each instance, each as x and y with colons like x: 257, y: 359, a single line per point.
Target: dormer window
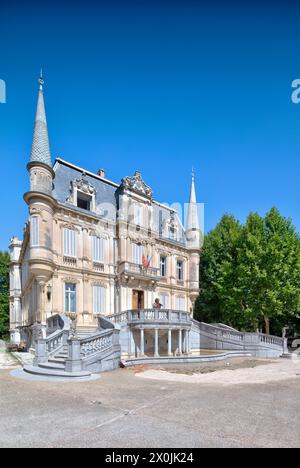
x: 172, y: 233
x: 82, y: 194
x: 84, y: 201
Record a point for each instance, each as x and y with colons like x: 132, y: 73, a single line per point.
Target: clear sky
x: 158, y: 86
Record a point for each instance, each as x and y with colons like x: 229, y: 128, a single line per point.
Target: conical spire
x: 40, y: 151
x: 192, y: 217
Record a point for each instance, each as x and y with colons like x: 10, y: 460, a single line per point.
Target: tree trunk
x: 267, y: 325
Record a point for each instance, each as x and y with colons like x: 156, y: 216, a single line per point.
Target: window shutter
x: 70, y: 244
x: 34, y: 231
x: 98, y: 249
x: 99, y: 299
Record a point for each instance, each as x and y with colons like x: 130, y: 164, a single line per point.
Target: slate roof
x: 40, y: 150
x: 106, y: 194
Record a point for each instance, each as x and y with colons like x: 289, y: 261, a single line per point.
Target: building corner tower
x: 193, y: 235
x: 41, y: 206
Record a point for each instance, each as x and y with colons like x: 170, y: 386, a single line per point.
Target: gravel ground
x: 122, y: 409
x: 234, y: 372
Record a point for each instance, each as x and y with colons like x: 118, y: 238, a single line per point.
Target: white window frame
x: 35, y: 231
x: 137, y: 253
x: 99, y: 299
x: 163, y: 265
x: 164, y: 299
x: 67, y: 300
x: 70, y: 243
x: 138, y: 215
x: 98, y: 247
x: 179, y: 270
x: 181, y: 303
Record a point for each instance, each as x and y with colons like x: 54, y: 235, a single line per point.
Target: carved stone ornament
x: 70, y: 279
x: 82, y: 185
x: 137, y: 184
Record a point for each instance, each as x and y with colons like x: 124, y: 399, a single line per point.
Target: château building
x: 95, y: 247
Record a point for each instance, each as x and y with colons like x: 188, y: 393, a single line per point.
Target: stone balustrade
x: 150, y: 315
x: 96, y: 344
x: 136, y: 269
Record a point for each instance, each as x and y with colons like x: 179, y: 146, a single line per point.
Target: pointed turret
x: 193, y: 236
x: 40, y: 151
x: 40, y: 165
x: 41, y: 207
x: 192, y: 223
x: 192, y: 217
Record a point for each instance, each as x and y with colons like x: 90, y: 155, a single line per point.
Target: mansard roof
x: 106, y: 192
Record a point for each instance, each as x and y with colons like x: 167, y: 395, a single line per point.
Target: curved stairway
x: 93, y: 350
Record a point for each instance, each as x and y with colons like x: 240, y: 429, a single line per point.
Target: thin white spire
x: 40, y: 151
x: 192, y: 217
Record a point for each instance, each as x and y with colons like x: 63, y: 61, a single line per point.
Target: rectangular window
x: 34, y: 231
x: 70, y: 243
x: 138, y: 215
x: 70, y: 297
x: 164, y: 300
x: 98, y: 249
x: 172, y: 233
x: 99, y: 299
x: 180, y: 303
x: 84, y: 201
x: 163, y: 266
x: 179, y: 270
x: 137, y: 253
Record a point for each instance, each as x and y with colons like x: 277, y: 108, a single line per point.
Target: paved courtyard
x: 142, y: 407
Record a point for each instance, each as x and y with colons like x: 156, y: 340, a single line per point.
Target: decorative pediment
x: 137, y: 184
x: 84, y: 185
x: 81, y: 185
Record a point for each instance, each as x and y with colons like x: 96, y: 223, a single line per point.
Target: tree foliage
x: 250, y: 274
x: 4, y: 294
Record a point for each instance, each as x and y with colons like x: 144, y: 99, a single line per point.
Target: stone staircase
x: 93, y: 350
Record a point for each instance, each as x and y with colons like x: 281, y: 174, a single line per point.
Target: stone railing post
x: 41, y: 354
x: 285, y: 346
x: 65, y: 337
x: 74, y: 362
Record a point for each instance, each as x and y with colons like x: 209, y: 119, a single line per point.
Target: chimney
x: 101, y: 173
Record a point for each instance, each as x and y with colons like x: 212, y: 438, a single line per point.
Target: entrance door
x: 137, y: 299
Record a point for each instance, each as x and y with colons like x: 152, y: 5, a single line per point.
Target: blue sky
x: 157, y: 86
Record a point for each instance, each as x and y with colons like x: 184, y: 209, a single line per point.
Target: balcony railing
x: 136, y: 269
x: 150, y: 315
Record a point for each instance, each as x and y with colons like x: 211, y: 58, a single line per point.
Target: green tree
x: 4, y: 294
x: 269, y: 270
x: 218, y: 300
x: 250, y: 275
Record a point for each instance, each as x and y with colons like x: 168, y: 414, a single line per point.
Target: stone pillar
x: 188, y: 350
x: 74, y: 362
x: 41, y: 354
x: 142, y: 345
x: 180, y: 341
x: 169, y: 342
x: 156, y: 353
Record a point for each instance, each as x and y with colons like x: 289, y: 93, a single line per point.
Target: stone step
x: 59, y: 360
x: 61, y: 356
x: 55, y: 373
x: 52, y: 365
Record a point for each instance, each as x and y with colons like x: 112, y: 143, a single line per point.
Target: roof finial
x: 193, y: 173
x: 41, y: 80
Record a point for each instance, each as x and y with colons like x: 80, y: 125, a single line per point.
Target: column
x: 180, y: 341
x: 156, y: 353
x: 142, y: 347
x: 169, y: 342
x: 188, y: 341
x: 184, y: 341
